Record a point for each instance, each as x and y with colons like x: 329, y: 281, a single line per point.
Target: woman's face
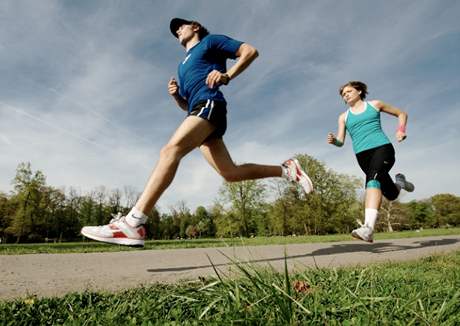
x: 350, y: 95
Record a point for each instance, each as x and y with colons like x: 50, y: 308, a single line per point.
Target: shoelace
x: 359, y: 222
x: 116, y: 217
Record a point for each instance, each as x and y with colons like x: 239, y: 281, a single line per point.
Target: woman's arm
x: 340, y: 139
x: 394, y: 111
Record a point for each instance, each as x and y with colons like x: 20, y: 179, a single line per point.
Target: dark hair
x: 359, y: 86
x: 202, y: 32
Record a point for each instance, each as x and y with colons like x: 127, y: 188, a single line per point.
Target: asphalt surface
x: 46, y: 275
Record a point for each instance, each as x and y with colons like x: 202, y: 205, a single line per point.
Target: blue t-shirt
x: 211, y: 53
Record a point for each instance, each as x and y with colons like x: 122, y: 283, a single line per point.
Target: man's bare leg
x: 217, y: 155
x: 190, y: 134
x: 129, y: 230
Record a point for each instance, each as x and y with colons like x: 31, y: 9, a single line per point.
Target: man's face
x: 186, y: 32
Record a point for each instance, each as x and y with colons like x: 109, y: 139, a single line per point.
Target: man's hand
x: 216, y: 78
x: 173, y: 87
x: 173, y: 90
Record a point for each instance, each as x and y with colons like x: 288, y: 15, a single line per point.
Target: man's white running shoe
x: 403, y: 183
x: 293, y: 172
x: 364, y: 233
x: 117, y: 231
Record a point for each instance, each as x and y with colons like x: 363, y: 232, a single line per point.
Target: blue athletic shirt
x: 211, y: 53
x: 365, y: 129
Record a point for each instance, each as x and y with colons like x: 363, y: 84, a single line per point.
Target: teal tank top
x: 365, y: 129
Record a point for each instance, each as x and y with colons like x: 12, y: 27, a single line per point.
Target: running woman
x: 373, y: 149
x: 201, y: 74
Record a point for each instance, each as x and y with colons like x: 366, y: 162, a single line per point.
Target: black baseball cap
x: 176, y: 23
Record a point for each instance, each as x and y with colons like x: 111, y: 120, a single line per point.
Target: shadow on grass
x: 334, y: 249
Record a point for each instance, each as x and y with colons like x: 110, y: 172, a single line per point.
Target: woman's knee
x: 391, y: 195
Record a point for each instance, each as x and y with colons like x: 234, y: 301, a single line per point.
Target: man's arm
x: 245, y: 54
x: 173, y: 90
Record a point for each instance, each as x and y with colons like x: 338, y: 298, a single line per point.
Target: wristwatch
x: 226, y: 79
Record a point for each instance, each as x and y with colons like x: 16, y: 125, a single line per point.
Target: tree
x: 168, y: 230
x: 153, y: 224
x: 6, y: 211
x: 114, y: 202
x: 191, y: 231
x: 446, y: 209
x: 393, y: 215
x: 87, y: 210
x: 130, y: 196
x: 226, y: 224
x: 421, y: 214
x: 245, y: 198
x: 204, y: 222
x: 69, y: 215
x: 100, y: 195
x: 55, y: 224
x: 331, y: 208
x: 278, y: 212
x: 181, y: 217
x: 28, y: 191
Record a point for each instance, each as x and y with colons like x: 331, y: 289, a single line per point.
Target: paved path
x: 58, y: 274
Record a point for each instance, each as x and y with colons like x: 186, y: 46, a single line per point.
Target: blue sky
x: 83, y: 87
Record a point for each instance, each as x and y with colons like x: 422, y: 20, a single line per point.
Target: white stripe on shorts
x: 210, y: 111
x: 202, y: 109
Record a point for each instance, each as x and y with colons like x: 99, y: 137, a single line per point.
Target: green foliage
x: 204, y: 222
x: 331, y: 208
x: 446, y: 209
x: 246, y: 199
x: 36, y: 212
x: 421, y: 214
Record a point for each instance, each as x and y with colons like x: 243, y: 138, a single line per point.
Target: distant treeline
x: 36, y: 212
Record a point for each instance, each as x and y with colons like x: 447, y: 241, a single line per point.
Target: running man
x: 201, y: 73
x: 373, y: 149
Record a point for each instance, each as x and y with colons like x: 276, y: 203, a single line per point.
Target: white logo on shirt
x: 186, y: 58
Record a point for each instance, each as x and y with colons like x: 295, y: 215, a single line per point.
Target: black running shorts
x: 215, y: 112
x: 376, y: 164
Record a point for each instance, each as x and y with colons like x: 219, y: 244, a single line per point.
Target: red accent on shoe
x: 298, y: 172
x: 119, y: 234
x: 141, y: 232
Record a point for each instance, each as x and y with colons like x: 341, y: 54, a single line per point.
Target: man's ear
x: 195, y: 28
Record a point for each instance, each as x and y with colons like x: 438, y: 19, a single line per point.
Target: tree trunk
x: 390, y: 228
x: 390, y: 206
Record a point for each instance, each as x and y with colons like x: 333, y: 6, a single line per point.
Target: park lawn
x: 92, y: 246
x: 422, y: 292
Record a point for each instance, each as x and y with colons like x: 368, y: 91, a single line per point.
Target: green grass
x: 424, y: 292
x: 91, y: 246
